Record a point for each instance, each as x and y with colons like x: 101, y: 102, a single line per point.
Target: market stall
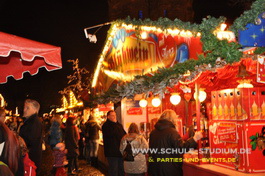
x: 193, y: 69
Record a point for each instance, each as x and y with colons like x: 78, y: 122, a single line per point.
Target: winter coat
x: 4, y: 170
x: 31, y: 132
x: 92, y: 130
x: 55, y: 136
x: 138, y: 166
x: 163, y: 137
x: 112, y: 134
x: 71, y: 141
x: 59, y: 157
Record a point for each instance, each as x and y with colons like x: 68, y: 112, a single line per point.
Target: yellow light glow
x: 245, y: 83
x: 175, y: 98
x: 64, y: 120
x: 223, y: 26
x: 73, y: 100
x: 105, y: 64
x: 95, y: 78
x: 80, y: 103
x: 2, y: 101
x: 65, y: 103
x: 118, y: 75
x: 144, y: 35
x: 202, y: 95
x: 156, y: 102
x: 221, y: 34
x: 143, y: 103
x: 60, y: 110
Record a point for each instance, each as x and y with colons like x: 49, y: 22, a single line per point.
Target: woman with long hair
x: 92, y: 129
x: 138, y: 166
x: 10, y: 150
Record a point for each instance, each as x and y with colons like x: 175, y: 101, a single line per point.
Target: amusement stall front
x: 211, y: 77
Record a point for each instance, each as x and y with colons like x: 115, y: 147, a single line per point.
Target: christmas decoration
x: 79, y: 86
x: 217, y: 53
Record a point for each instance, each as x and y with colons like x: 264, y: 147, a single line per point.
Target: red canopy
x: 224, y: 78
x: 19, y: 55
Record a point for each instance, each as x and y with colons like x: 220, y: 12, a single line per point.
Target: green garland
x: 212, y: 47
x: 249, y: 16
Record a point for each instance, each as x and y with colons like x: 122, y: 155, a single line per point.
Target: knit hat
x: 60, y: 146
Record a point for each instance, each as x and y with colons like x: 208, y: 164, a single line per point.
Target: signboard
x: 107, y: 107
x: 132, y: 112
x: 226, y: 132
x: 129, y: 54
x: 154, y: 110
x: 133, y: 108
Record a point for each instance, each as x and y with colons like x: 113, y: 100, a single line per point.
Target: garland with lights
x: 214, y: 49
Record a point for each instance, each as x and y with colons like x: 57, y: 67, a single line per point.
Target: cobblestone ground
x: 47, y: 161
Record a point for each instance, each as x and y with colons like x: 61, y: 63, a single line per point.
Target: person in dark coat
x: 31, y: 131
x: 112, y: 134
x: 92, y: 128
x: 166, y: 137
x: 71, y: 144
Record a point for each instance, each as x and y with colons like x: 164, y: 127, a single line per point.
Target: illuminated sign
x: 131, y: 53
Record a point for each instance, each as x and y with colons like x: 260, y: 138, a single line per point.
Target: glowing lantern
x: 245, y: 83
x: 144, y: 35
x: 202, y: 95
x: 156, y: 102
x: 143, y: 103
x: 175, y: 98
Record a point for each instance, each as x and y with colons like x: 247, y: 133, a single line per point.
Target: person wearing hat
x: 59, y: 153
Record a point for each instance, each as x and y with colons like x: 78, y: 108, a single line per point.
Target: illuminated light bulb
x: 188, y: 34
x: 175, y: 98
x: 156, y: 102
x: 144, y: 35
x: 143, y: 103
x: 202, y: 95
x: 223, y: 26
x: 245, y: 83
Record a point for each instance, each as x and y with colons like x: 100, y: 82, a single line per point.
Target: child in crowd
x: 59, y: 153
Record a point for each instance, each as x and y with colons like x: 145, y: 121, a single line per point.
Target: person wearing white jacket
x: 137, y: 167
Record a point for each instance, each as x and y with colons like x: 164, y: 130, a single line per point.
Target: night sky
x: 61, y: 23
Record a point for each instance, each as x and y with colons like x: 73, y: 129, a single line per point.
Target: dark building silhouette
x: 184, y: 10
x: 152, y: 9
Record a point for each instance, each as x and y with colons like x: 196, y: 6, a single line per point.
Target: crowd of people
x: 164, y: 136
x: 22, y: 139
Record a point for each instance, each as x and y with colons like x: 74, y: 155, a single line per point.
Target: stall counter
x: 212, y: 170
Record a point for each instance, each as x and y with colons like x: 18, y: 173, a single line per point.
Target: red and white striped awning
x: 19, y: 55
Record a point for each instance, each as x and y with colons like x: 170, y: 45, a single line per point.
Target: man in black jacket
x: 112, y: 133
x: 31, y: 131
